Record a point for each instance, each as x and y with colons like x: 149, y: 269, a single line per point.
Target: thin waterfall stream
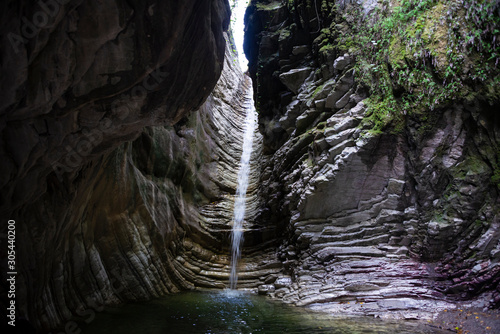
x: 241, y: 192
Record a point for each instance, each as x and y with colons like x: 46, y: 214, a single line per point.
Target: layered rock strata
x: 370, y: 221
x: 121, y: 158
x: 152, y: 217
x: 81, y: 77
x: 396, y: 223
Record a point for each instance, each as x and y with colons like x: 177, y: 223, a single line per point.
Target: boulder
x: 294, y: 79
x: 265, y: 289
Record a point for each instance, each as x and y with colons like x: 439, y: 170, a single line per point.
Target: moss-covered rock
x: 388, y: 150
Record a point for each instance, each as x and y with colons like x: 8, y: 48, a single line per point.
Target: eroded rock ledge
x: 398, y: 223
x: 81, y: 77
x: 119, y: 156
x: 150, y: 218
x: 404, y: 222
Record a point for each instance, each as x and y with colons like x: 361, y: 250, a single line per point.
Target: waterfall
x: 241, y: 192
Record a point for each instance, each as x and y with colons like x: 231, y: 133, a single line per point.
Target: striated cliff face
x: 380, y: 161
x: 120, y: 157
x: 375, y: 171
x: 81, y: 77
x: 151, y: 217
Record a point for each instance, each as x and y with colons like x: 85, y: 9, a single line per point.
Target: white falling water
x: 241, y: 192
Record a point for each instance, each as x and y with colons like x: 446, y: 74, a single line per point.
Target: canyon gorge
x: 374, y: 176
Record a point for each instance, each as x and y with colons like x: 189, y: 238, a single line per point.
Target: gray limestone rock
x: 341, y: 62
x: 294, y: 79
x: 149, y: 217
x: 282, y: 282
x: 357, y: 204
x: 300, y: 50
x: 265, y: 289
x: 361, y: 286
x: 340, y: 89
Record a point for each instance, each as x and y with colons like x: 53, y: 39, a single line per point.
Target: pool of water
x: 232, y: 312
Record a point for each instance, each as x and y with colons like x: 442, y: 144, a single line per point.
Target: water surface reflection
x: 231, y: 312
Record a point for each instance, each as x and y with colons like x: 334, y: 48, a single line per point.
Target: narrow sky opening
x: 238, y: 27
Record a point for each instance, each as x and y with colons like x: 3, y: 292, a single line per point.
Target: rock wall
x: 120, y: 158
x: 150, y: 218
x: 81, y: 77
x: 388, y: 212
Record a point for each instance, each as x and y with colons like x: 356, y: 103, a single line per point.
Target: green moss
x: 418, y: 56
x: 284, y: 34
x: 397, y: 52
x: 309, y: 162
x: 327, y: 48
x: 321, y: 126
x: 347, y: 45
x: 325, y: 40
x: 439, y: 217
x: 317, y: 90
x: 379, y: 113
x: 472, y: 165
x: 495, y: 178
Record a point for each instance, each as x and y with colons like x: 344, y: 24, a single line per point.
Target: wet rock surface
x: 120, y: 170
x: 392, y: 225
x: 120, y: 165
x: 467, y: 320
x: 150, y: 218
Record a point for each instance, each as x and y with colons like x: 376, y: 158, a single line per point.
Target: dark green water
x: 221, y: 312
